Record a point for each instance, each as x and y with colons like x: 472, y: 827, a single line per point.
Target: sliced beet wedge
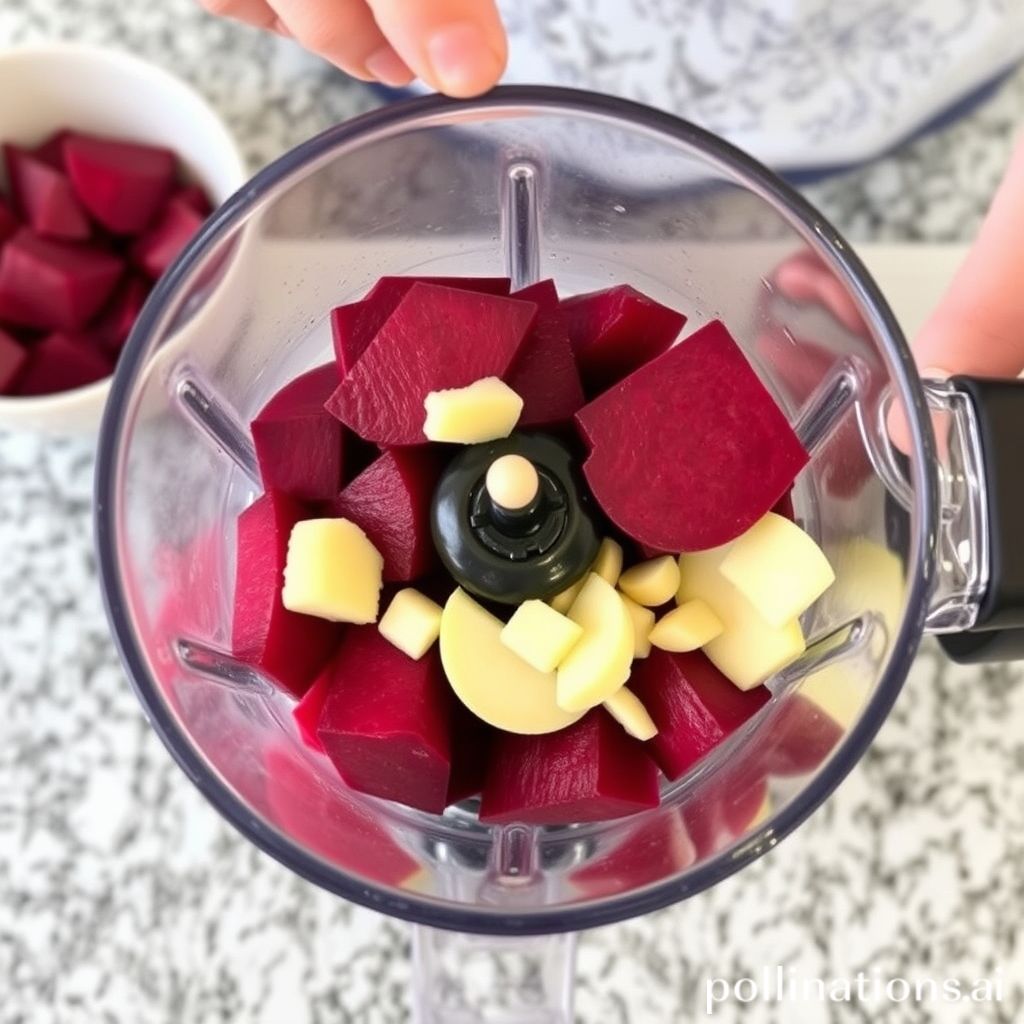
x: 288, y: 647
x: 693, y: 705
x: 44, y: 196
x: 690, y: 450
x: 115, y: 321
x: 386, y: 723
x: 54, y: 285
x: 122, y: 184
x: 61, y: 362
x: 544, y: 374
x: 355, y: 325
x: 436, y: 338
x: 616, y: 331
x: 155, y: 250
x: 13, y: 357
x: 299, y: 445
x: 390, y: 501
x: 590, y: 771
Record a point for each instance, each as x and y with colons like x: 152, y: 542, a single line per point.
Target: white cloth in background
x: 799, y: 83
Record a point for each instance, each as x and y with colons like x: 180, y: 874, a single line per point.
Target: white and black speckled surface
x: 125, y: 899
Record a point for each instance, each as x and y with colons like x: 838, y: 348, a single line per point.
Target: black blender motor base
x: 512, y: 556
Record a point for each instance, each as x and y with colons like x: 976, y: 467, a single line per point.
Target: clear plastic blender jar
x: 592, y: 191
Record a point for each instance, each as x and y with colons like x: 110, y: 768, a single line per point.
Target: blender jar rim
x: 570, y: 917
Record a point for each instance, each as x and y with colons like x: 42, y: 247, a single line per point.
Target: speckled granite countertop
x: 124, y: 898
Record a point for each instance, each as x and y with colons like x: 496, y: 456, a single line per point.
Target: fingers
x: 257, y: 13
x: 345, y: 33
x: 456, y: 46
x: 978, y: 327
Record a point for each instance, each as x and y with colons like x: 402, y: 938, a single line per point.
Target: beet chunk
x: 13, y: 358
x: 45, y: 197
x: 386, y: 722
x: 471, y: 745
x: 61, y: 362
x: 122, y: 184
x: 54, y: 285
x: 51, y: 150
x: 390, y: 502
x: 9, y: 224
x: 355, y: 325
x: 195, y: 196
x: 299, y: 444
x: 337, y: 826
x: 693, y: 705
x: 288, y: 647
x: 307, y: 712
x: 544, y: 374
x: 690, y: 450
x: 111, y: 328
x: 590, y: 771
x: 155, y: 250
x: 436, y: 338
x: 617, y: 330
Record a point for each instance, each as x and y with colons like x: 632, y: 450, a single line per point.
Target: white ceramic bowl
x: 61, y: 85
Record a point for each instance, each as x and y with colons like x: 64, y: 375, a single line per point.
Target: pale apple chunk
x: 778, y: 568
x: 625, y: 707
x: 600, y: 662
x: 693, y: 624
x: 493, y: 682
x: 540, y: 636
x: 412, y: 622
x: 485, y: 410
x: 608, y: 563
x: 332, y: 571
x: 651, y: 583
x: 643, y: 623
x: 748, y: 650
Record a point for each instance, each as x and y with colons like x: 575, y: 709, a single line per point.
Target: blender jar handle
x: 982, y: 488
x: 475, y: 979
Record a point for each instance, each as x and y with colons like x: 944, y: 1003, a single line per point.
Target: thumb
x: 978, y: 327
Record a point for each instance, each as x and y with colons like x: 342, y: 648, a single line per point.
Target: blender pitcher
x: 592, y: 191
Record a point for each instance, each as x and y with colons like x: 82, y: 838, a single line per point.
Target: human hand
x: 978, y: 326
x: 456, y: 46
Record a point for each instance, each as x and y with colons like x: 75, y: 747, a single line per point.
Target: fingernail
x: 386, y: 66
x: 935, y: 373
x: 462, y: 60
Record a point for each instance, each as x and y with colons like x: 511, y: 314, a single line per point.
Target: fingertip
x: 463, y: 61
x: 388, y: 68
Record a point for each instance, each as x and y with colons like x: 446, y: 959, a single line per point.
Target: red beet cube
x: 51, y: 150
x: 61, y: 362
x: 355, y: 325
x: 298, y: 443
x: 436, y: 338
x: 617, y: 330
x: 802, y: 735
x: 307, y: 712
x: 544, y: 374
x: 336, y: 825
x: 122, y: 184
x: 54, y: 285
x: 693, y: 705
x: 155, y: 250
x: 45, y: 197
x: 690, y: 450
x: 652, y: 851
x: 195, y: 196
x: 13, y: 358
x: 115, y: 322
x: 390, y: 502
x: 590, y: 771
x: 9, y: 224
x: 386, y: 723
x: 288, y: 647
x: 471, y: 745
